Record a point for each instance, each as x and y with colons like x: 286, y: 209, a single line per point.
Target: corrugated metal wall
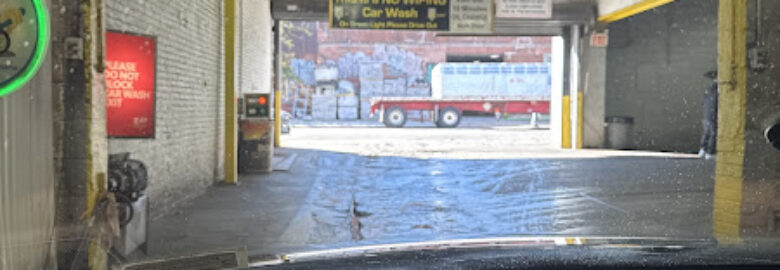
x: 27, y: 176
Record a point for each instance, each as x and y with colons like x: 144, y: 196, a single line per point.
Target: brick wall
x: 256, y: 49
x: 185, y: 156
x: 334, y: 43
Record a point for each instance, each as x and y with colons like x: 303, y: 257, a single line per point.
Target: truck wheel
x: 395, y: 117
x: 448, y: 118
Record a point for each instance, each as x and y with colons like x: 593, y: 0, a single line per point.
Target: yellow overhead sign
x: 430, y: 15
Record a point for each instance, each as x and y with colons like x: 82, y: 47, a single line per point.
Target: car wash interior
x: 258, y: 132
x: 608, y: 143
x: 611, y: 114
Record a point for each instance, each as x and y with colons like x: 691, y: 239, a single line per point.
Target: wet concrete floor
x: 357, y: 186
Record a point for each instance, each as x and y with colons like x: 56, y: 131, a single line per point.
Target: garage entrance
x: 376, y: 93
x: 504, y: 133
x: 381, y: 168
x: 350, y: 179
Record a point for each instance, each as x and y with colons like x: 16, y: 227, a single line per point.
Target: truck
x: 497, y: 88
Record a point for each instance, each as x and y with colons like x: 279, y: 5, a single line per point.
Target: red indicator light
x: 262, y: 100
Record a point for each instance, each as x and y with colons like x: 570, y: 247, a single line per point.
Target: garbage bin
x: 619, y: 132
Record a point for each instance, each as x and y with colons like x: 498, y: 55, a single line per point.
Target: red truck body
x: 503, y: 106
x: 499, y: 88
x: 488, y: 105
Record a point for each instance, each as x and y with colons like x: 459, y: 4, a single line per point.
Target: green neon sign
x: 24, y: 38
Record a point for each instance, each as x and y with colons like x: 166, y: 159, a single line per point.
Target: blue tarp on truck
x: 522, y: 81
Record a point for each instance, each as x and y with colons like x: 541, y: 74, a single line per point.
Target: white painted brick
x: 255, y: 46
x: 185, y: 157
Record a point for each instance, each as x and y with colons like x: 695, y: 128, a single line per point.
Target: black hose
x: 125, y: 208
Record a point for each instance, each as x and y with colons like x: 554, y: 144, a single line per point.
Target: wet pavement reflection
x: 393, y: 199
x: 361, y: 186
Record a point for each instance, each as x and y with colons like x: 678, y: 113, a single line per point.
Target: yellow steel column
x: 566, y: 122
x: 96, y: 143
x: 231, y: 169
x: 732, y: 88
x: 277, y: 117
x: 580, y: 120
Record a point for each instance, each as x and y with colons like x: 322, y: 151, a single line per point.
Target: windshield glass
x: 268, y: 129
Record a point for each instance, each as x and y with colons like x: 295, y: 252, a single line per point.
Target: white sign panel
x: 524, y: 9
x: 471, y: 16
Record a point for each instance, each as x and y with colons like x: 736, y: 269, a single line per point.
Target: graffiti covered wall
x: 404, y: 57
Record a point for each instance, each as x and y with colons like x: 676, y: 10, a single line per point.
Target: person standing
x: 709, y: 118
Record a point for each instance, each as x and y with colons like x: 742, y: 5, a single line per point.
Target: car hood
x: 528, y: 251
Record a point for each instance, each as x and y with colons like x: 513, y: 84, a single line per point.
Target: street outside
x: 365, y: 184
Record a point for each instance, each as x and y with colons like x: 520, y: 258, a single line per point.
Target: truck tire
x: 395, y: 117
x: 448, y: 118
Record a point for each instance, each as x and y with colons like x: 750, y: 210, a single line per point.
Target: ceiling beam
x: 631, y: 10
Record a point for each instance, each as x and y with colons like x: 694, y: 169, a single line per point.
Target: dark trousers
x: 708, y: 136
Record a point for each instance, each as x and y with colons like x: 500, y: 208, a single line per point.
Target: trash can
x: 619, y: 132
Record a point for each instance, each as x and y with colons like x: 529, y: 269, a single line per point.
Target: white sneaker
x: 702, y: 153
x: 709, y: 156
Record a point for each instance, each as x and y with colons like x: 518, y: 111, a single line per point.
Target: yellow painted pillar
x: 580, y: 123
x: 96, y: 142
x: 732, y: 88
x: 566, y: 122
x: 231, y: 168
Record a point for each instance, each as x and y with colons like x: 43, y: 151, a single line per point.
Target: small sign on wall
x: 130, y: 85
x: 599, y: 39
x: 471, y: 16
x: 536, y: 9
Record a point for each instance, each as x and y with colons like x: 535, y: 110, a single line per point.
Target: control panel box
x: 257, y: 106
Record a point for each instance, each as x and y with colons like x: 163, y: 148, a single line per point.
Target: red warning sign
x: 130, y: 85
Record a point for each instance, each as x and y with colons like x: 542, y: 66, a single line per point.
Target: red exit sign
x: 599, y: 39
